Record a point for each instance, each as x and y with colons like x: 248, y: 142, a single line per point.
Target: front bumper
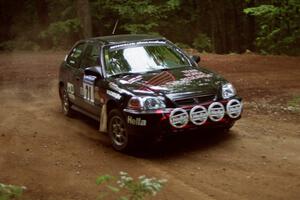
x: 157, y: 123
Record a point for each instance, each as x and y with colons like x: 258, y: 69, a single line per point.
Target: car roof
x: 116, y: 39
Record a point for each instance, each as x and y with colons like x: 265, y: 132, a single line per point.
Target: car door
x: 73, y: 63
x: 90, y: 85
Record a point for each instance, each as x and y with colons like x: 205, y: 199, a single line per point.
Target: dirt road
x: 57, y: 157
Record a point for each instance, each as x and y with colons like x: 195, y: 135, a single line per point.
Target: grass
x: 294, y: 103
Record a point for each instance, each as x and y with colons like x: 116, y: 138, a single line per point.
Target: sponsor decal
x: 115, y: 47
x: 137, y: 121
x: 158, y: 88
x: 216, y: 111
x: 118, y: 89
x: 115, y: 87
x: 113, y: 94
x: 191, y: 75
x: 195, y: 74
x: 179, y: 118
x: 198, y: 115
x: 71, y: 90
x: 143, y: 91
x: 234, y: 108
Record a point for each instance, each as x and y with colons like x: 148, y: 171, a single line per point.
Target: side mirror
x: 94, y: 71
x: 196, y: 58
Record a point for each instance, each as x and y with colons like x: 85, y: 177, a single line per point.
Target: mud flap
x: 103, y: 119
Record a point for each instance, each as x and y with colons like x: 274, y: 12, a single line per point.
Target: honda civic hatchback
x: 142, y: 87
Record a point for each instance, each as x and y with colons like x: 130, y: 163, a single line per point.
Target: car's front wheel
x: 118, y: 132
x: 65, y: 102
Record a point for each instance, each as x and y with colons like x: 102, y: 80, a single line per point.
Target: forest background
x: 218, y: 26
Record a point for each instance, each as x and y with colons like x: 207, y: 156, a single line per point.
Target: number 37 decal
x: 89, y: 88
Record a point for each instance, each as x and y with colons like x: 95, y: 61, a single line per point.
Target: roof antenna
x: 116, y: 24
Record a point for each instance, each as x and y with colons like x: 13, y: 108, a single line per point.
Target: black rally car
x: 141, y: 86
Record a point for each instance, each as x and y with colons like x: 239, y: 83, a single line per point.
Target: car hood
x: 173, y: 81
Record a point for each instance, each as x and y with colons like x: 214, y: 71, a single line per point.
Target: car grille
x: 194, y: 100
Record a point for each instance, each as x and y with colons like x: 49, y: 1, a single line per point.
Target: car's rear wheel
x: 118, y: 132
x: 65, y: 102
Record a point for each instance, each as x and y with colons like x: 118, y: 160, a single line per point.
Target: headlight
x: 228, y: 91
x: 146, y: 103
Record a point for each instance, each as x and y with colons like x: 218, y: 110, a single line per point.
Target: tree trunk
x: 213, y: 32
x: 214, y: 27
x: 237, y: 26
x: 83, y: 12
x: 42, y: 12
x: 251, y: 27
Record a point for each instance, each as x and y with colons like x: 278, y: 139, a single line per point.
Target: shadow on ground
x: 171, y: 146
x: 186, y: 142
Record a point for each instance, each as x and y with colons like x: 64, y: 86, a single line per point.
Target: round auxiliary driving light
x: 179, y: 118
x: 216, y: 111
x: 234, y: 108
x: 198, y: 115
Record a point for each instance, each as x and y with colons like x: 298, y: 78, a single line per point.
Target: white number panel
x: 89, y: 88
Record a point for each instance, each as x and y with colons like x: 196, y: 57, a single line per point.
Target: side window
x: 91, y: 57
x: 75, y: 55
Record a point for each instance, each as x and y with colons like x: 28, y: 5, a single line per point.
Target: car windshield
x: 124, y: 59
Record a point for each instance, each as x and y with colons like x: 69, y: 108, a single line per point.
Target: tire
x: 229, y: 126
x: 65, y: 102
x: 226, y: 128
x: 118, y: 132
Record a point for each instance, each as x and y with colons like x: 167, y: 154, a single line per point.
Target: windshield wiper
x: 125, y: 73
x: 167, y: 69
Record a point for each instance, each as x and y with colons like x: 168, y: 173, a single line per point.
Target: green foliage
x: 140, y: 28
x: 19, y: 44
x: 10, y: 191
x: 59, y: 32
x: 269, y: 26
x: 294, y: 103
x: 103, y: 179
x: 202, y: 42
x: 268, y: 11
x: 139, y: 16
x: 125, y: 187
x: 279, y: 27
x: 182, y: 45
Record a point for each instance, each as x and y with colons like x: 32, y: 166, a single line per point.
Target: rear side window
x: 76, y: 55
x: 91, y: 57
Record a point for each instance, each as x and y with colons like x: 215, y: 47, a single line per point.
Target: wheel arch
x: 111, y: 104
x: 60, y: 85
